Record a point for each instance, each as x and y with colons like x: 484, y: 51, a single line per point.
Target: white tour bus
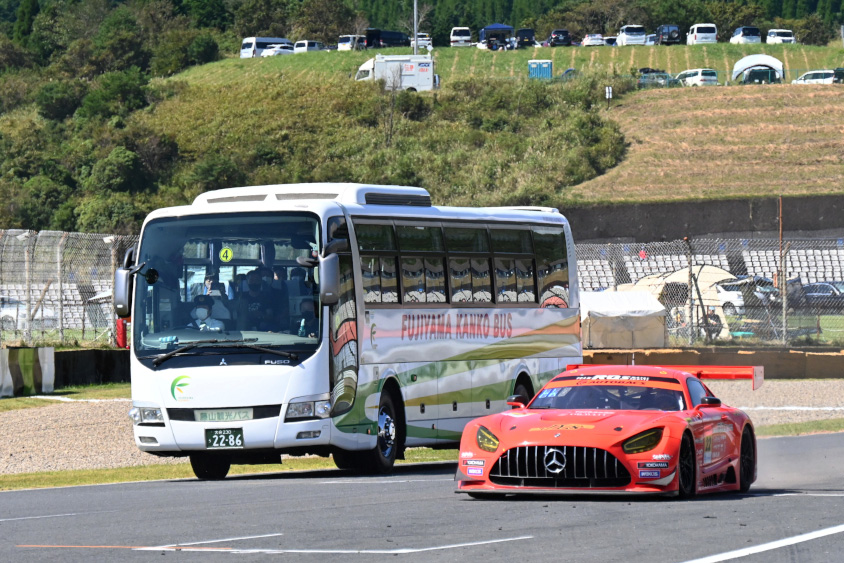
x: 425, y: 317
x: 255, y: 46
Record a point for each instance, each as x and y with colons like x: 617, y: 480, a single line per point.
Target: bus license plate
x: 223, y: 438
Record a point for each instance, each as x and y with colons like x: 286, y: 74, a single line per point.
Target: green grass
x: 801, y: 428
x: 104, y: 391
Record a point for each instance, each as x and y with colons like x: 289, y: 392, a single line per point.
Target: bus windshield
x: 221, y: 279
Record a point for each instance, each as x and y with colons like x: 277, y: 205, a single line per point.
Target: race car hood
x: 528, y: 426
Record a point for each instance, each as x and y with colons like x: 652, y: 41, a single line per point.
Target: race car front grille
x: 559, y: 466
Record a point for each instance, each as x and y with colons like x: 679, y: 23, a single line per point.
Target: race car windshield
x: 612, y: 397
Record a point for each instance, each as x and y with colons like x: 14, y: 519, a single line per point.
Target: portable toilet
x: 540, y: 69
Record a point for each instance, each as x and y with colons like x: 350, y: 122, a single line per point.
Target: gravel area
x: 98, y: 435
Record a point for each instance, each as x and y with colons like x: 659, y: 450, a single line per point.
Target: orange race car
x: 611, y: 429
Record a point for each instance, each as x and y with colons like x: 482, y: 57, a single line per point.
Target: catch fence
x: 55, y: 287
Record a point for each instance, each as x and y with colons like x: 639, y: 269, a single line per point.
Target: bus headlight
x: 308, y: 409
x: 146, y: 415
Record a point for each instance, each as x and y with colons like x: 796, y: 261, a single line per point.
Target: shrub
x: 412, y: 106
x: 116, y: 93
x: 215, y: 172
x: 120, y: 171
x: 58, y: 100
x: 38, y: 201
x: 203, y: 49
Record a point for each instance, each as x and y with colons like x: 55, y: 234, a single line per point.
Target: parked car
x: 746, y: 34
x: 698, y: 77
x: 593, y: 40
x: 780, y: 36
x: 816, y: 77
x: 825, y: 297
x: 668, y: 34
x: 611, y: 41
x: 731, y: 297
x: 702, y: 33
x: 306, y: 45
x: 761, y: 75
x: 559, y: 38
x: 278, y: 49
x: 631, y: 35
x: 351, y: 42
x: 460, y: 37
x: 650, y: 40
x: 525, y: 37
x: 657, y: 80
x: 423, y: 39
x: 13, y: 315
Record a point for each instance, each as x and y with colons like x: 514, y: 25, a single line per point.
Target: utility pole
x: 415, y: 28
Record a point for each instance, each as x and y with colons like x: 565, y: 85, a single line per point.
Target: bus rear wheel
x: 210, y: 467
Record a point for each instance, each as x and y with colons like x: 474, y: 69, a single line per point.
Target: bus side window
x: 552, y: 266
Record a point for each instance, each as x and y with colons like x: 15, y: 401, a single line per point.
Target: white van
x: 781, y: 36
x: 351, y: 42
x: 306, y: 45
x: 460, y: 37
x: 701, y: 33
x: 255, y: 46
x: 415, y: 73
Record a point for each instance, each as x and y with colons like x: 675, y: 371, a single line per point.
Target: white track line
x: 52, y: 516
x: 69, y: 400
x: 218, y: 541
x: 769, y: 546
x: 400, y: 551
x: 791, y: 408
x: 382, y: 481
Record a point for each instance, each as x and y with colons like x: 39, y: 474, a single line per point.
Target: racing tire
x: 523, y: 391
x: 383, y: 456
x: 747, y: 461
x: 686, y: 469
x: 210, y: 467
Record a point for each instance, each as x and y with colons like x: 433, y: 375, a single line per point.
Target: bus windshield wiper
x: 290, y: 355
x: 160, y: 359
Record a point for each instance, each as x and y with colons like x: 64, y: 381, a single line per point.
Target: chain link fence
x: 55, y: 287
x: 728, y: 290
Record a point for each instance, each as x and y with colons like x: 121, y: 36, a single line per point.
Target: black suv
x: 668, y: 34
x: 559, y: 38
x: 525, y: 37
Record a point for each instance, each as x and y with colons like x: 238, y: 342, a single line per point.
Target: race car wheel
x: 210, y: 467
x: 383, y: 456
x: 747, y: 462
x: 686, y: 468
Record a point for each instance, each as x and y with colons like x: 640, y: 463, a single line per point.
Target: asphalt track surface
x: 793, y: 513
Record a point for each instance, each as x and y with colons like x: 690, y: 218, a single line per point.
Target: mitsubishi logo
x: 555, y: 460
x: 223, y: 362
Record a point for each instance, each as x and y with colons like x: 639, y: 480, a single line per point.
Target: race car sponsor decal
x: 467, y: 454
x: 661, y: 456
x: 556, y: 427
x: 615, y: 378
x: 648, y: 474
x: 653, y: 465
x: 478, y: 462
x: 479, y: 471
x: 714, y: 447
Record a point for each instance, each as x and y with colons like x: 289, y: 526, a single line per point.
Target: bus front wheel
x: 383, y: 457
x: 210, y: 467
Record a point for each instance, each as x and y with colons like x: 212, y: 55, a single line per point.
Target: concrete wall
x: 730, y: 218
x: 778, y: 363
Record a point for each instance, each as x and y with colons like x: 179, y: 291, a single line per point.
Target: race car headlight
x: 487, y: 441
x: 643, y: 441
x: 145, y: 415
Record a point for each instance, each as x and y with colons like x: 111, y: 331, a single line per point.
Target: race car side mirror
x: 709, y: 402
x: 515, y: 401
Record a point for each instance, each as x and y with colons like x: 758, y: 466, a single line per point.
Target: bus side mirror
x: 123, y: 279
x: 329, y: 279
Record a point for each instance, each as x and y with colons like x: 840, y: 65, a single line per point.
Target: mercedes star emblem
x: 555, y: 460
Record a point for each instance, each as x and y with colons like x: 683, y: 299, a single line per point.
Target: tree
x: 208, y: 13
x: 264, y: 17
x: 39, y: 199
x: 120, y: 171
x: 323, y: 20
x: 27, y: 11
x: 116, y: 93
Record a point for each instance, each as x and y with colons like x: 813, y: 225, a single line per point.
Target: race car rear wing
x: 755, y: 373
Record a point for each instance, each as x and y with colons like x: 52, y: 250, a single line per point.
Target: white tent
x: 630, y: 319
x: 756, y: 61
